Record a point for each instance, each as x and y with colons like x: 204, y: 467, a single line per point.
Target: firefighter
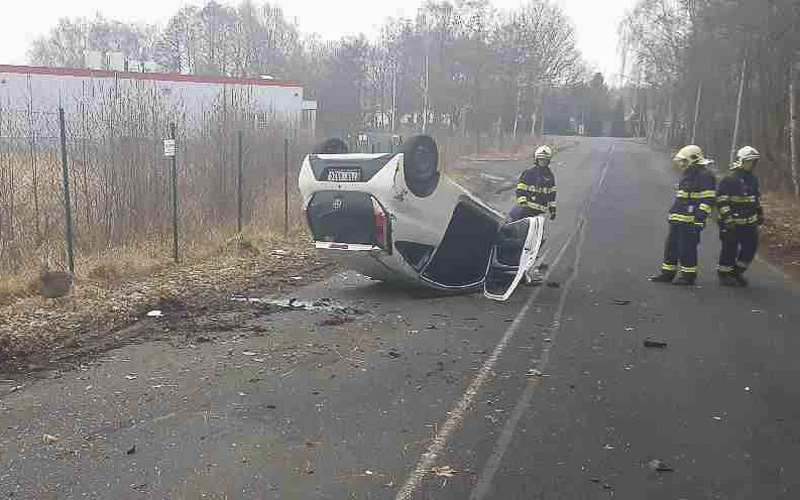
x: 536, y: 195
x: 740, y: 215
x: 536, y: 188
x: 687, y: 218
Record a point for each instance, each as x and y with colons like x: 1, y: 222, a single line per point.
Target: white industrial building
x: 45, y: 89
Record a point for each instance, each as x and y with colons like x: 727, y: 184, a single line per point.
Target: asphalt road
x: 551, y: 395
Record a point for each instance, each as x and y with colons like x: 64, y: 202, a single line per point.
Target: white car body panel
x: 420, y: 220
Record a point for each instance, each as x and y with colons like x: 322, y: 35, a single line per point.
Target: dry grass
x: 781, y: 232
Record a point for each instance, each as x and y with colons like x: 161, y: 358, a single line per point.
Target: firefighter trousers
x: 739, y: 245
x: 680, y: 249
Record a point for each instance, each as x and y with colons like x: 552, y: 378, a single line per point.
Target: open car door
x: 516, y: 250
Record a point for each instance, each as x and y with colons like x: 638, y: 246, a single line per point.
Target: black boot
x: 727, y: 279
x: 685, y: 279
x: 738, y: 276
x: 663, y: 277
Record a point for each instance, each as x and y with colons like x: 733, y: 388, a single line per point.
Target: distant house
x: 45, y: 89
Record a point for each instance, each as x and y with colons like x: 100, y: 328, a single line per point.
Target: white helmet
x: 691, y: 154
x: 543, y: 155
x: 747, y: 153
x: 543, y: 152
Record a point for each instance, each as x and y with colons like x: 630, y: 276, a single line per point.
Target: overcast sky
x: 23, y: 20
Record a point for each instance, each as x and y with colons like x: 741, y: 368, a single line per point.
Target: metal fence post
x: 239, y: 187
x: 174, y: 195
x: 67, y: 205
x: 286, y: 187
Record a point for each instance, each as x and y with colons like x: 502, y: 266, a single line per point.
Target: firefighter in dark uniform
x: 536, y: 195
x: 740, y: 215
x: 536, y: 188
x: 687, y: 218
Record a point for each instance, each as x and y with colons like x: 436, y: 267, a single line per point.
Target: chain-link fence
x: 120, y: 179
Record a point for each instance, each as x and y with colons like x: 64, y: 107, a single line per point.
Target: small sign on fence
x: 169, y: 147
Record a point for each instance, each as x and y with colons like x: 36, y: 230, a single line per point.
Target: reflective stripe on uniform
x: 536, y: 206
x: 722, y: 198
x: 669, y: 267
x: 522, y: 200
x: 704, y: 194
x: 682, y: 194
x: 522, y: 186
x: 681, y: 218
x: 725, y: 269
x: 542, y: 190
x: 689, y: 270
x: 743, y: 221
x: 743, y: 199
x: 705, y: 208
x: 724, y: 210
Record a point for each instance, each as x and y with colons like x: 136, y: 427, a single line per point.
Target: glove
x: 553, y: 214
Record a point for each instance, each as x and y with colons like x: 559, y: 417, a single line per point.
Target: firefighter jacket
x: 536, y: 189
x: 695, y: 197
x: 739, y: 200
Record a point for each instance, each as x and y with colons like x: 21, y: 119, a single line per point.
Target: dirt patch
x: 102, y: 315
x: 781, y: 233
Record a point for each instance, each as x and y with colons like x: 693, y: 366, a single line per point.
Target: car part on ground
x: 516, y: 250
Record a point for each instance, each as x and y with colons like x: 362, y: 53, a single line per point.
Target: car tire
x: 420, y: 165
x: 332, y: 146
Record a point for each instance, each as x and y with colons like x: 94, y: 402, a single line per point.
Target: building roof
x: 160, y: 77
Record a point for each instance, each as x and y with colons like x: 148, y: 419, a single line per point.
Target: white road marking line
x: 493, y: 463
x: 456, y: 416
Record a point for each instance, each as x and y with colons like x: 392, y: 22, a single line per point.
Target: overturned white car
x: 395, y: 217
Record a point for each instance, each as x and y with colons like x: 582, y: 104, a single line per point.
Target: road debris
x: 655, y: 343
x: 131, y: 450
x: 534, y: 374
x: 335, y: 320
x: 553, y: 284
x: 393, y: 353
x: 155, y: 313
x: 16, y: 388
x: 139, y: 487
x: 621, y: 302
x: 49, y: 439
x: 445, y: 471
x: 248, y: 353
x: 608, y: 447
x: 717, y: 418
x: 131, y: 376
x: 368, y: 472
x: 757, y: 311
x: 660, y: 466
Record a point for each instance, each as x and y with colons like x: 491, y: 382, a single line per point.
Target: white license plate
x: 344, y: 175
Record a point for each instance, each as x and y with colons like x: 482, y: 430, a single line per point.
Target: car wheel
x: 420, y: 165
x: 332, y: 146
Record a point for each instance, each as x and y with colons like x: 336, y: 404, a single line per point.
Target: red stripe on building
x: 159, y: 77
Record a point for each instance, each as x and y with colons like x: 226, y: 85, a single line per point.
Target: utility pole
x: 394, y: 101
x: 738, y: 109
x: 696, y: 112
x: 793, y: 129
x: 425, y: 100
